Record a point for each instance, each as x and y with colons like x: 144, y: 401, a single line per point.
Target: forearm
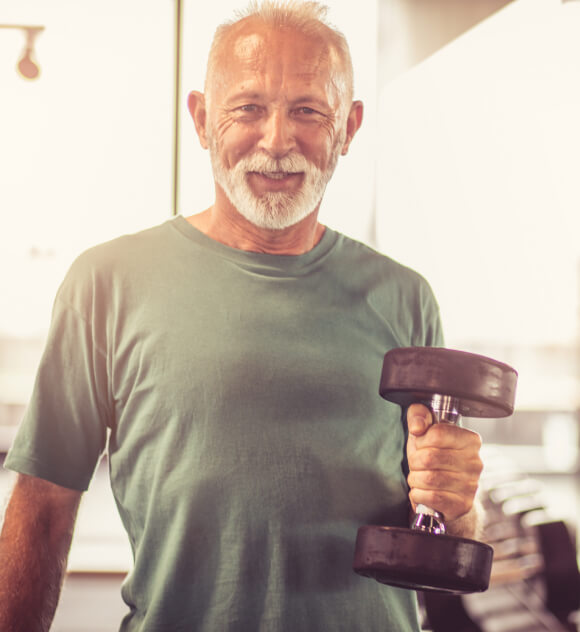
x: 34, y: 546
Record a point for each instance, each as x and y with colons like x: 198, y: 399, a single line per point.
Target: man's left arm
x: 444, y: 470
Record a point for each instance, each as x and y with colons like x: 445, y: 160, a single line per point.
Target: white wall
x: 86, y: 149
x: 478, y: 190
x: 478, y: 176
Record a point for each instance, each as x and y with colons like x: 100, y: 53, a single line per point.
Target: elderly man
x: 230, y: 363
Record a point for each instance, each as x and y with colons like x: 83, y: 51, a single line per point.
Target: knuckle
x: 438, y: 433
x: 436, y: 500
x: 414, y: 496
x: 432, y: 479
x: 473, y: 467
x: 429, y: 458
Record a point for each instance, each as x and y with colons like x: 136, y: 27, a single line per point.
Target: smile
x: 276, y: 181
x: 276, y: 175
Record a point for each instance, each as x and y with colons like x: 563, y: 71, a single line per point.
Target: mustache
x: 292, y: 163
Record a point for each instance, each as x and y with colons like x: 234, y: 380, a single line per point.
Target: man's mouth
x: 277, y: 175
x: 276, y: 181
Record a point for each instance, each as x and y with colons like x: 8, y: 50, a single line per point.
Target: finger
x: 449, y: 436
x: 467, y: 460
x: 444, y: 481
x: 419, y: 419
x: 451, y: 505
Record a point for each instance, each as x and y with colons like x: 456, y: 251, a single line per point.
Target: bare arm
x: 34, y: 545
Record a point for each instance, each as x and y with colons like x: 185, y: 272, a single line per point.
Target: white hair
x: 307, y: 17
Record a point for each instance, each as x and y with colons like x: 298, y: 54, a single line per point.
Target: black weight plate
x: 416, y: 560
x: 483, y: 386
x: 560, y: 573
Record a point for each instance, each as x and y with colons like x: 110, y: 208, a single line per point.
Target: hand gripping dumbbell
x: 451, y: 384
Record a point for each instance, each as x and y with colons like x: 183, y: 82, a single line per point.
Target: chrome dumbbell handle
x: 428, y: 520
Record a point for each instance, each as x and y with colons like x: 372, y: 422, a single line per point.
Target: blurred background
x: 466, y: 168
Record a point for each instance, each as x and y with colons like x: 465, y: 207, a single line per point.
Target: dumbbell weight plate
x: 417, y: 560
x: 484, y: 387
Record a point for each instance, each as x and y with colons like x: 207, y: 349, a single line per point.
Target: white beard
x: 274, y: 210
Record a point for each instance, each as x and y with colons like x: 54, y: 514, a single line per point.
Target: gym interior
x: 466, y: 169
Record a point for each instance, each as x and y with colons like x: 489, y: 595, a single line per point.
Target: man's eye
x: 306, y: 110
x: 249, y: 108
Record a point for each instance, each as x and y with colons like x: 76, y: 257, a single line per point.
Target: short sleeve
x: 64, y: 430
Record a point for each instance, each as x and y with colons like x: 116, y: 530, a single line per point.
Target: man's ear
x: 353, y: 122
x: 196, y: 107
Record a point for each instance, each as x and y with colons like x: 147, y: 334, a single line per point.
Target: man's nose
x: 278, y: 134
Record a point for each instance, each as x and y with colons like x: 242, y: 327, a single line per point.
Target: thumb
x: 419, y: 419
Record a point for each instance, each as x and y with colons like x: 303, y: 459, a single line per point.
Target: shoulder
x: 401, y: 295
x: 145, y: 243
x: 106, y: 269
x: 131, y: 257
x: 367, y: 261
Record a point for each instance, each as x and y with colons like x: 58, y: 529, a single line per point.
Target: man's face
x: 275, y: 124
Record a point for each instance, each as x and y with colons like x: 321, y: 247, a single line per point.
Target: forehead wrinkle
x: 257, y: 50
x: 247, y: 46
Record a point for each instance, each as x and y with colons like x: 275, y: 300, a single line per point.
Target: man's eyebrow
x: 312, y: 100
x: 254, y: 95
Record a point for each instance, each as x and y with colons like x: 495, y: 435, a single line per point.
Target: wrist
x: 468, y: 525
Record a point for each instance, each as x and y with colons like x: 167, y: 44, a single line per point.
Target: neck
x: 232, y: 229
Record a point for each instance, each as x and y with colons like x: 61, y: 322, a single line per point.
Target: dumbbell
x: 451, y: 384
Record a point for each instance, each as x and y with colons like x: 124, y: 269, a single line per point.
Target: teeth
x: 275, y: 175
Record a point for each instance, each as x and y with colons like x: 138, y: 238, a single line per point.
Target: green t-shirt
x: 247, y: 440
